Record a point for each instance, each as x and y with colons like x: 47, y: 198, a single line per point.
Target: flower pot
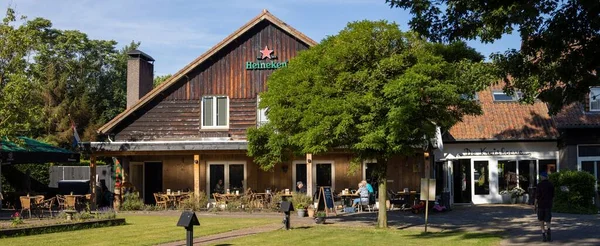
x: 513, y: 200
x: 320, y: 220
x: 301, y: 213
x: 311, y: 212
x: 525, y: 198
x: 506, y: 198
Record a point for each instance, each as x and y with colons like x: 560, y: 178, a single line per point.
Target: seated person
x: 364, y: 194
x: 369, y: 187
x: 219, y: 187
x: 300, y: 187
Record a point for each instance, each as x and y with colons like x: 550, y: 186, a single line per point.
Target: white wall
x: 492, y: 152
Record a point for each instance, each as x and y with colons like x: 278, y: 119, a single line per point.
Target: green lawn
x: 140, y: 230
x: 334, y: 235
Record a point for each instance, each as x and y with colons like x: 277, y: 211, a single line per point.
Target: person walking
x: 544, y: 194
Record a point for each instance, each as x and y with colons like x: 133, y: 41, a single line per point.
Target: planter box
x: 506, y: 198
x: 42, y: 229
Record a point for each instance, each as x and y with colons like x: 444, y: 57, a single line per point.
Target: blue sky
x: 175, y: 32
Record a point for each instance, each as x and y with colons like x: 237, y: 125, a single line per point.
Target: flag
x: 76, y: 139
x: 117, y: 172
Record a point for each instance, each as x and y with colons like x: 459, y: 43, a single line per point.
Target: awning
x: 34, y: 151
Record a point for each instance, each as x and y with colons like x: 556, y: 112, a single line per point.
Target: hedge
x: 578, y: 196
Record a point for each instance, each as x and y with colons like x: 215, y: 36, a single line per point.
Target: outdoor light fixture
x: 188, y: 220
x: 286, y: 208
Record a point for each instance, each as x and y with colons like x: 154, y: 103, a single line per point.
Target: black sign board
x: 325, y: 201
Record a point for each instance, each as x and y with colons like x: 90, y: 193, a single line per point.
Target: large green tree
x: 47, y: 74
x: 371, y: 89
x: 560, y: 40
x: 19, y: 95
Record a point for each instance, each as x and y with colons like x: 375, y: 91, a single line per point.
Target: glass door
x: 230, y: 175
x: 299, y: 174
x: 461, y: 170
x: 216, y: 176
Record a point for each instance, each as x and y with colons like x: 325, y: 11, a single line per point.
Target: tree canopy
x: 560, y: 42
x: 47, y: 74
x: 372, y: 89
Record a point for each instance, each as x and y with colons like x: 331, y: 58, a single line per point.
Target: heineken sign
x: 262, y: 64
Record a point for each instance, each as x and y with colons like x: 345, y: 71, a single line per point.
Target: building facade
x: 507, y: 146
x: 190, y: 132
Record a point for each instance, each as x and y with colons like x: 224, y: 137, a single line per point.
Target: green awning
x: 34, y: 151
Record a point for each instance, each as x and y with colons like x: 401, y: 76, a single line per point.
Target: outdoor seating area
x: 40, y: 205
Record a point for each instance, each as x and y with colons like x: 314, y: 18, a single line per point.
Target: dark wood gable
x: 175, y: 113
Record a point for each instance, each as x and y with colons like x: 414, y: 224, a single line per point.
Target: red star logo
x: 266, y: 53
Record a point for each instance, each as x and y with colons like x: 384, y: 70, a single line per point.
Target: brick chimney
x: 140, y: 75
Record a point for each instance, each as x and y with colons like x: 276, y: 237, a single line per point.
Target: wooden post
x: 197, y: 176
x: 93, y: 181
x: 427, y: 156
x: 309, y: 181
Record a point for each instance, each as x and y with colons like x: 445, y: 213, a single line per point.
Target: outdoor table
x: 230, y: 196
x: 407, y: 195
x: 175, y: 197
x: 347, y: 199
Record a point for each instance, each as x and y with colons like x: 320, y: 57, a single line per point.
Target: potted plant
x: 311, y: 211
x: 320, y: 219
x: 517, y: 193
x: 506, y: 196
x: 301, y: 209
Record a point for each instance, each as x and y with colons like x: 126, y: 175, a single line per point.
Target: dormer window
x: 595, y: 99
x: 473, y: 97
x: 501, y: 96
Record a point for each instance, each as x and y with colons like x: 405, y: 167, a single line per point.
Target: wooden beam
x: 197, y: 176
x: 93, y: 181
x: 165, y: 153
x: 309, y: 179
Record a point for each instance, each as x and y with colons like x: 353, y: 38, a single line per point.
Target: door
x: 299, y: 174
x: 370, y: 175
x: 324, y: 175
x: 232, y: 174
x: 461, y: 170
x: 153, y: 179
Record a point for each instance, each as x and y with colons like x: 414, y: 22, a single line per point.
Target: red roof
x: 575, y: 116
x: 505, y: 121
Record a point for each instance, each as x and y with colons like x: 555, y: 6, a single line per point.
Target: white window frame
x: 596, y: 95
x: 214, y: 116
x: 260, y: 120
x: 226, y: 175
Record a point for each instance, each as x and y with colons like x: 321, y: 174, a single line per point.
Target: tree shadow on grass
x: 454, y: 233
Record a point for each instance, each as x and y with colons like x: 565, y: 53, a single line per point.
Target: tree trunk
x: 382, y: 180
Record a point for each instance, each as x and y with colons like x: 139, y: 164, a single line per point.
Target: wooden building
x: 190, y: 131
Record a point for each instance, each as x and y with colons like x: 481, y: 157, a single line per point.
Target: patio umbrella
x: 33, y: 151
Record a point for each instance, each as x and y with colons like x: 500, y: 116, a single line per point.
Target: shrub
x: 274, y: 202
x: 573, y: 192
x: 301, y: 201
x: 132, y: 201
x: 193, y: 203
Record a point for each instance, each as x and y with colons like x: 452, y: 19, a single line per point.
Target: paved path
x: 517, y: 222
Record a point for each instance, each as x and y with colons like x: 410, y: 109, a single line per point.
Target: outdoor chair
x: 60, y: 201
x: 25, y: 204
x: 366, y: 203
x: 161, y: 200
x: 46, y: 204
x: 70, y: 202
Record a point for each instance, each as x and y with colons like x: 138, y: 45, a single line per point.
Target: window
x: 595, y: 99
x: 589, y: 150
x: 261, y: 114
x: 502, y: 96
x: 482, y: 178
x: 507, y: 175
x: 215, y: 112
x: 473, y: 97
